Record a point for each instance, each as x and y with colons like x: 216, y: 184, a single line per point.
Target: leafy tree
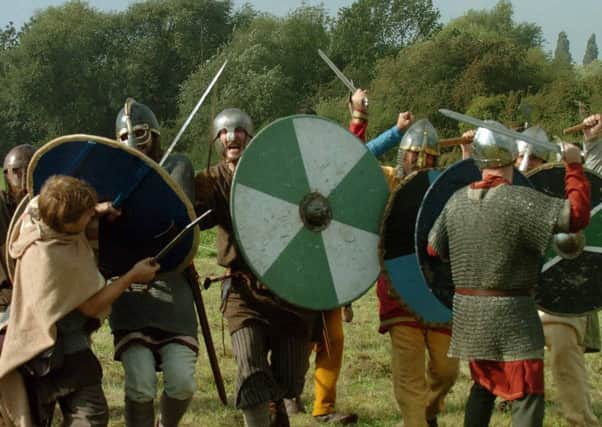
x: 9, y: 37
x: 74, y: 66
x: 590, y: 79
x: 591, y: 50
x: 483, y: 53
x: 372, y: 29
x: 562, y: 54
x: 156, y: 44
x: 56, y: 76
x: 272, y: 70
x: 243, y: 17
x: 500, y: 19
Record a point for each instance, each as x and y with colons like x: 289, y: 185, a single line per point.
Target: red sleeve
x: 578, y: 191
x: 431, y: 251
x: 359, y: 129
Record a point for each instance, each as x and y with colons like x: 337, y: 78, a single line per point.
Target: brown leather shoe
x: 337, y: 418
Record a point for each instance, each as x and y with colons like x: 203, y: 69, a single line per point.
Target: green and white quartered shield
x: 306, y: 204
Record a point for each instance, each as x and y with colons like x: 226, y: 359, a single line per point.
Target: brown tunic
x: 247, y: 301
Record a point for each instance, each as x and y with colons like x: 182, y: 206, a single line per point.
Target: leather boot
x: 172, y: 411
x: 139, y: 414
x: 257, y: 416
x: 278, y: 415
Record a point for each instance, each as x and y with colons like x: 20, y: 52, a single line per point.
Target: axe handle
x: 575, y: 128
x: 452, y: 142
x: 204, y: 323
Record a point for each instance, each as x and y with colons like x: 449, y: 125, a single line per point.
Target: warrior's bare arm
x: 593, y: 127
x: 142, y: 272
x: 359, y: 114
x: 467, y: 148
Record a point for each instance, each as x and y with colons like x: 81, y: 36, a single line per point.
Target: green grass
x: 364, y: 386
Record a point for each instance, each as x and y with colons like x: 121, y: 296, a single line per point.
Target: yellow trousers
x: 568, y: 370
x: 328, y: 366
x: 422, y: 372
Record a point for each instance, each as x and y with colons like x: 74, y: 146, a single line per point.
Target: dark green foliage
x: 562, y: 54
x: 74, y: 66
x: 591, y: 50
x: 71, y: 67
x: 483, y: 53
x: 273, y: 70
x: 372, y: 29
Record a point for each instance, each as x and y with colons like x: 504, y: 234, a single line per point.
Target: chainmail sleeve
x: 542, y: 216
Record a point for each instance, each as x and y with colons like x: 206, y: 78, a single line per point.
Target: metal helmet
x: 537, y: 151
x: 569, y: 245
x: 17, y: 158
x: 231, y: 119
x: 493, y: 150
x: 422, y: 138
x: 135, y: 124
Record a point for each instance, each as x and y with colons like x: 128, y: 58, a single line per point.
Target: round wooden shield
x: 306, y: 203
x: 154, y: 208
x: 436, y: 272
x: 571, y: 286
x: 398, y: 256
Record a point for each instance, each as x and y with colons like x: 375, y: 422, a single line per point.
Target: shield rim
x: 528, y: 174
x: 79, y: 137
x: 381, y: 250
x: 232, y: 213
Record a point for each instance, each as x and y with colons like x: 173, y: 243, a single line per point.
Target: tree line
x: 71, y: 67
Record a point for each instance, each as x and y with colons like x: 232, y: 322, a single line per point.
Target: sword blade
x: 179, y: 236
x: 196, y: 108
x: 338, y: 72
x: 501, y: 130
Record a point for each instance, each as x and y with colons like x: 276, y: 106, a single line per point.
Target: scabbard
x: 193, y: 280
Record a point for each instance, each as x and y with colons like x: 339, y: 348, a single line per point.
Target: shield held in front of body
x: 306, y: 203
x: 571, y: 286
x: 154, y: 208
x: 436, y: 272
x: 398, y: 256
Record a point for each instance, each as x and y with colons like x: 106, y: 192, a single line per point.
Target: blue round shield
x: 398, y: 256
x: 154, y: 208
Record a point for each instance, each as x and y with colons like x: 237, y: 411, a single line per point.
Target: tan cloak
x: 55, y: 273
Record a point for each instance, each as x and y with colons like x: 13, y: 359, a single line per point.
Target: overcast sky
x: 579, y: 19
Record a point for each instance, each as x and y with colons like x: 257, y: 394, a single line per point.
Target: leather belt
x: 494, y: 292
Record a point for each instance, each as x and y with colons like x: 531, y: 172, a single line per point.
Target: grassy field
x: 364, y: 386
